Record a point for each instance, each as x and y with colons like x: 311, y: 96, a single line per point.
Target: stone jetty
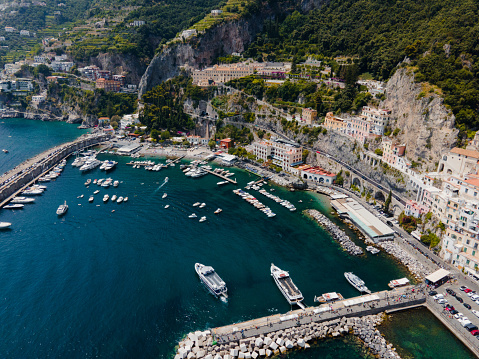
x: 416, y: 267
x: 204, y: 345
x: 338, y: 234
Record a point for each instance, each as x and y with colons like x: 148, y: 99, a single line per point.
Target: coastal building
x: 103, y: 121
x: 137, y: 23
x: 194, y: 140
x: 40, y: 59
x: 10, y: 69
x: 220, y: 74
x: 216, y: 12
x: 316, y: 174
x: 359, y: 128
x: 24, y: 33
x: 282, y: 153
x: 38, y: 99
x: 120, y: 78
x: 335, y: 123
x: 186, y: 34
x: 415, y: 209
x: 379, y: 118
x: 9, y: 29
x: 22, y: 85
x: 108, y: 85
x: 309, y: 115
x: 62, y: 66
x: 128, y: 120
x: 226, y: 143
x: 459, y: 162
x: 393, y: 154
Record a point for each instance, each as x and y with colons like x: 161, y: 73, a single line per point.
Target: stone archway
x: 356, y: 182
x: 379, y: 196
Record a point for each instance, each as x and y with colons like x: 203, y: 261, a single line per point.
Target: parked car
x: 438, y: 296
x: 475, y: 332
x: 459, y: 299
x: 432, y: 293
x: 463, y: 287
x: 467, y: 306
x: 467, y: 290
x: 475, y: 297
x: 470, y: 294
x: 450, y: 291
x: 453, y: 312
x: 470, y: 327
x: 458, y: 315
x: 475, y: 312
x: 442, y: 301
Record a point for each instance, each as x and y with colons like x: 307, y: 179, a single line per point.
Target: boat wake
x: 161, y: 185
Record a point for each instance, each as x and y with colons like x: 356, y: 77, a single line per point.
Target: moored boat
x: 62, y: 209
x: 356, y: 282
x: 329, y: 297
x: 202, y: 219
x: 13, y: 206
x: 286, y: 286
x: 219, y: 210
x: 5, y: 225
x: 398, y: 283
x: 22, y: 200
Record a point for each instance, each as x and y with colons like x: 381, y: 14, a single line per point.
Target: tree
x: 211, y: 144
x: 388, y: 202
x: 339, y: 178
x: 165, y: 135
x: 155, y: 134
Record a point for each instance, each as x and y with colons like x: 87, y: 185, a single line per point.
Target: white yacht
x: 13, y: 206
x: 120, y: 199
x: 90, y: 164
x: 91, y: 199
x: 32, y: 192
x: 356, y: 282
x: 202, y: 205
x: 114, y: 197
x: 193, y: 215
x: 164, y: 195
x: 286, y: 286
x: 106, y: 198
x: 62, y: 209
x: 212, y: 280
x: 196, y: 204
x: 5, y: 225
x: 22, y: 200
x: 202, y: 219
x: 219, y: 210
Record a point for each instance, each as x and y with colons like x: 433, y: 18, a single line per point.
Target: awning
x: 360, y: 300
x: 288, y: 317
x: 437, y: 275
x: 322, y: 309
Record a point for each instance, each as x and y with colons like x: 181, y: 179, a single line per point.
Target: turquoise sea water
x: 122, y: 284
x: 26, y: 138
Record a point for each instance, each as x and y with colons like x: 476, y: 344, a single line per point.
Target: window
x: 473, y: 253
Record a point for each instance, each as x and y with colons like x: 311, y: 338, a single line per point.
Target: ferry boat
x: 212, y: 280
x: 356, y: 282
x: 62, y: 209
x: 286, y: 286
x: 328, y: 297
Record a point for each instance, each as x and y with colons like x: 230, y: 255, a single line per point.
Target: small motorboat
x: 106, y: 198
x: 219, y: 210
x: 166, y: 179
x: 125, y: 199
x: 88, y: 181
x: 62, y: 209
x: 14, y: 206
x: 196, y: 204
x: 193, y: 215
x: 114, y: 197
x: 202, y: 219
x: 5, y: 151
x: 202, y: 205
x: 91, y: 199
x: 167, y: 206
x: 164, y: 195
x: 120, y: 199
x: 5, y: 225
x: 97, y: 191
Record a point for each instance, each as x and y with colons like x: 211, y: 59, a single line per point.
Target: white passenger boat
x: 22, y: 200
x: 5, y: 225
x: 356, y: 282
x: 202, y: 205
x: 13, y: 206
x: 164, y: 195
x: 193, y: 215
x: 202, y: 219
x: 219, y: 210
x: 212, y: 280
x: 196, y: 204
x: 398, y: 283
x: 62, y: 209
x: 328, y: 297
x: 114, y: 197
x: 286, y: 286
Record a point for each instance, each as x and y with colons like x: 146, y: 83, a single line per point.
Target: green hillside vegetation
x: 381, y: 34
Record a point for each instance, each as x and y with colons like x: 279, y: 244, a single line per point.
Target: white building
x: 10, y: 69
x: 379, y: 119
x: 64, y: 66
x: 137, y: 23
x: 24, y: 33
x: 128, y: 120
x: 459, y: 162
x: 38, y: 99
x: 2, y: 38
x: 22, y: 85
x: 9, y: 29
x: 216, y: 12
x: 281, y: 153
x: 40, y: 59
x: 188, y: 33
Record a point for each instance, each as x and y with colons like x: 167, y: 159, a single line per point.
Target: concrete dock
x: 220, y: 176
x: 23, y: 175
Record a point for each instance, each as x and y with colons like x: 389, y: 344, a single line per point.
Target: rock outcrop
x: 200, y: 51
x: 427, y: 126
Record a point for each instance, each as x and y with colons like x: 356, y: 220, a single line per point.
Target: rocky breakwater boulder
x: 414, y: 265
x: 201, y: 50
x: 346, y: 243
x: 365, y: 329
x: 427, y: 126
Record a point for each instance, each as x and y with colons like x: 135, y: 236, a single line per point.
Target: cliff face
x: 199, y: 52
x: 122, y: 64
x: 427, y: 127
x: 308, y: 5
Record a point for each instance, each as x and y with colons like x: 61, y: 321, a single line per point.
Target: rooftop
x: 468, y: 153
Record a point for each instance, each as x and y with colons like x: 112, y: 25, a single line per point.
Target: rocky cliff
x: 427, y: 127
x: 200, y: 51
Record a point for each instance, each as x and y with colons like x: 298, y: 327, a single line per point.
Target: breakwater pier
x: 15, y: 180
x: 281, y: 332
